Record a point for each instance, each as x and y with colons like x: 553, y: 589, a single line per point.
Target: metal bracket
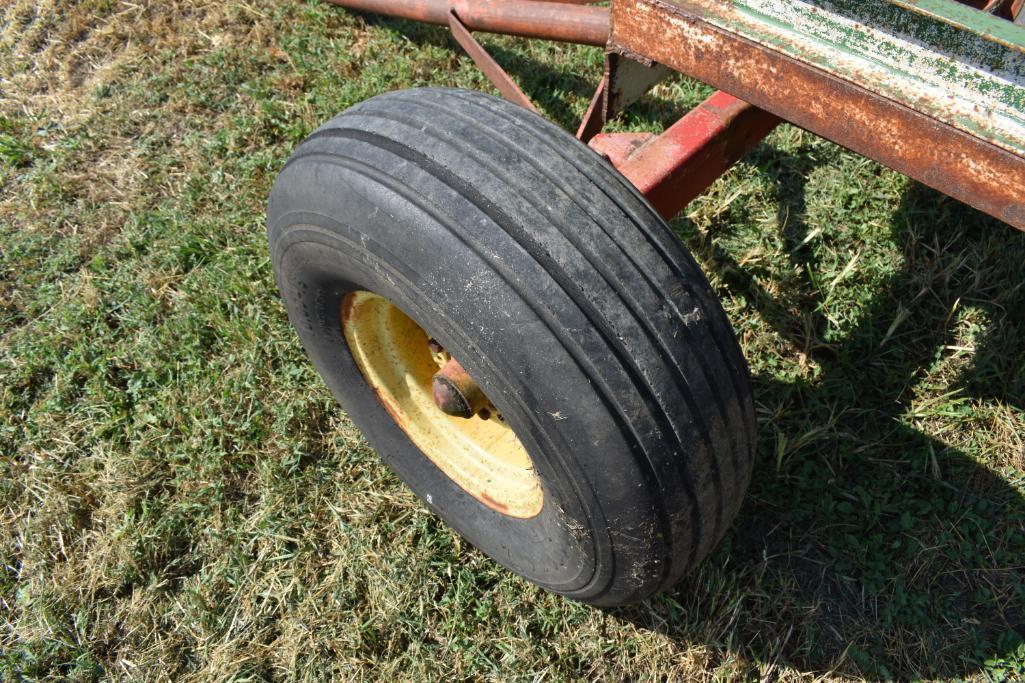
x: 626, y: 80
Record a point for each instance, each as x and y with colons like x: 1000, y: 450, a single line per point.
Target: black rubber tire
x: 565, y: 296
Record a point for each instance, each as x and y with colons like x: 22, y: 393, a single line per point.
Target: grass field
x: 181, y: 499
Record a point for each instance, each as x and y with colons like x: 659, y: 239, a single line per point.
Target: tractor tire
x: 612, y: 431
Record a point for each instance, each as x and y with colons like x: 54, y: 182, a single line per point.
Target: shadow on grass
x: 866, y: 547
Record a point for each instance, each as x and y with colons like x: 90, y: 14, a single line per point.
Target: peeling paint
x: 954, y: 72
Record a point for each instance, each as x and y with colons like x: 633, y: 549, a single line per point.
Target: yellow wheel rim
x: 483, y: 456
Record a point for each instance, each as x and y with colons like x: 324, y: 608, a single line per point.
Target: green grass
x: 180, y: 497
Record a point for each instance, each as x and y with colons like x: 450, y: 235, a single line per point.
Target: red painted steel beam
x: 681, y: 163
x: 563, y: 21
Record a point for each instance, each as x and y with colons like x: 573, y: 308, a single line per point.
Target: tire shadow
x: 867, y: 547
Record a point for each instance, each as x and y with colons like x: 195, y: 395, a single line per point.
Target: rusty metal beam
x: 487, y: 64
x: 562, y: 21
x: 675, y: 167
x: 943, y: 157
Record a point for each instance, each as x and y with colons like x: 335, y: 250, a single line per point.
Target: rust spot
x: 618, y: 147
x: 392, y: 410
x: 348, y: 301
x: 492, y: 503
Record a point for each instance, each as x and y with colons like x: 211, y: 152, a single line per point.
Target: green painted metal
x: 947, y: 26
x: 964, y: 18
x: 946, y: 60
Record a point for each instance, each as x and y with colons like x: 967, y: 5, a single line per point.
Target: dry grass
x: 180, y: 498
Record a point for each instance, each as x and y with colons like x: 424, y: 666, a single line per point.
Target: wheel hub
x: 431, y: 397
